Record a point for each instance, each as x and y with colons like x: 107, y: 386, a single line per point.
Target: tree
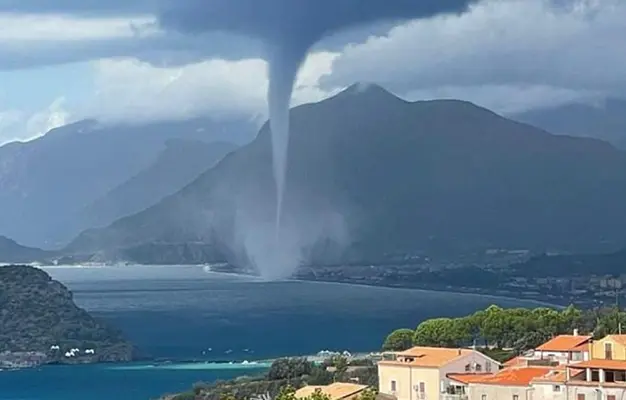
x: 318, y: 395
x: 287, y: 392
x: 367, y: 394
x: 443, y: 332
x: 399, y: 340
x: 288, y: 368
x: 341, y: 365
x: 571, y: 318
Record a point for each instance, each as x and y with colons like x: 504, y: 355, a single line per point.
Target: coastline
x: 209, y: 269
x: 450, y: 290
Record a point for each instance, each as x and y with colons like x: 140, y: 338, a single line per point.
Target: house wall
x: 550, y: 391
x: 458, y: 366
x: 401, y: 374
x: 498, y: 392
x: 434, y: 379
x: 597, y: 349
x: 562, y: 356
x: 406, y: 378
x: 591, y: 392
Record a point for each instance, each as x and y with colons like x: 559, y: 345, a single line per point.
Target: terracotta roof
x: 608, y: 364
x: 336, y: 391
x: 513, y: 376
x: 564, y: 343
x: 428, y: 356
x: 583, y: 347
x: 468, y: 378
x: 519, y: 360
x: 556, y: 375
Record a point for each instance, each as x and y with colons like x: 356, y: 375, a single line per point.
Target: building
x: 565, y: 349
x: 336, y: 391
x: 508, y: 384
x: 562, y: 349
x: 610, y: 347
x: 422, y: 373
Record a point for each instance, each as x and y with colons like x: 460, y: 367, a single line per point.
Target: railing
x: 447, y: 396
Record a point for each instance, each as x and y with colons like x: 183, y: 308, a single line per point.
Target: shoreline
x: 539, y: 299
x: 182, y: 364
x: 481, y: 293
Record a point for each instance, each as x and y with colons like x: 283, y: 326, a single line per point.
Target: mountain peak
x: 367, y: 89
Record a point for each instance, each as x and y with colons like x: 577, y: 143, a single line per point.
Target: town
x: 566, y: 367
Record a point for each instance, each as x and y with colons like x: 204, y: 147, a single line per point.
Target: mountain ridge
x: 72, y: 166
x: 605, y: 121
x: 178, y: 164
x: 378, y: 174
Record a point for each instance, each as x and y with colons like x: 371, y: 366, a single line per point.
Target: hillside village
x: 567, y: 367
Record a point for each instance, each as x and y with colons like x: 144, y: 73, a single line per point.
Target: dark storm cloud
x: 299, y: 22
x: 169, y: 50
x: 295, y: 20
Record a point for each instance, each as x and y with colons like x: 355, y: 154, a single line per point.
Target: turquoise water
x: 184, y: 314
x: 95, y: 382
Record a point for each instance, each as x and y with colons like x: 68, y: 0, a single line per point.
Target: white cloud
x: 523, y: 47
x: 53, y: 116
x: 505, y: 55
x: 18, y: 125
x: 128, y: 89
x: 20, y: 28
x: 506, y: 99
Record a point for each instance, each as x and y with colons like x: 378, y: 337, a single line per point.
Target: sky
x: 65, y: 60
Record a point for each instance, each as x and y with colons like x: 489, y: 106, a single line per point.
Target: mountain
x: 12, y: 252
x: 377, y: 175
x: 176, y: 166
x: 606, y: 121
x: 47, y: 182
x: 38, y: 313
x: 573, y: 265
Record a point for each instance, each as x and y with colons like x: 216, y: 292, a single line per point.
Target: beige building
x: 336, y: 391
x: 610, y: 347
x: 421, y: 373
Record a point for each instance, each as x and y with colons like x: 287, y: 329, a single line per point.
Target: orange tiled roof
x: 555, y: 375
x: 564, y: 343
x: 427, y: 356
x: 336, y: 391
x: 519, y: 360
x: 583, y: 347
x: 596, y: 363
x: 468, y: 378
x: 513, y: 376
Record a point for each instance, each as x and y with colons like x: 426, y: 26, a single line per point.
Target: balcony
x: 448, y: 396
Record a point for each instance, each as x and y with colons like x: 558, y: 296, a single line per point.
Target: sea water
x: 201, y: 327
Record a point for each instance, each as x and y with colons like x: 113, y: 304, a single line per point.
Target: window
x: 515, y: 397
x: 479, y: 368
x: 609, y: 376
x: 483, y: 397
x: 488, y: 367
x: 422, y: 387
x: 610, y: 397
x: 393, y: 386
x: 580, y: 396
x: 608, y: 351
x: 556, y: 388
x: 468, y: 368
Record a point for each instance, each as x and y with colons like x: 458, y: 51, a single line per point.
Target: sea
x: 198, y: 325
